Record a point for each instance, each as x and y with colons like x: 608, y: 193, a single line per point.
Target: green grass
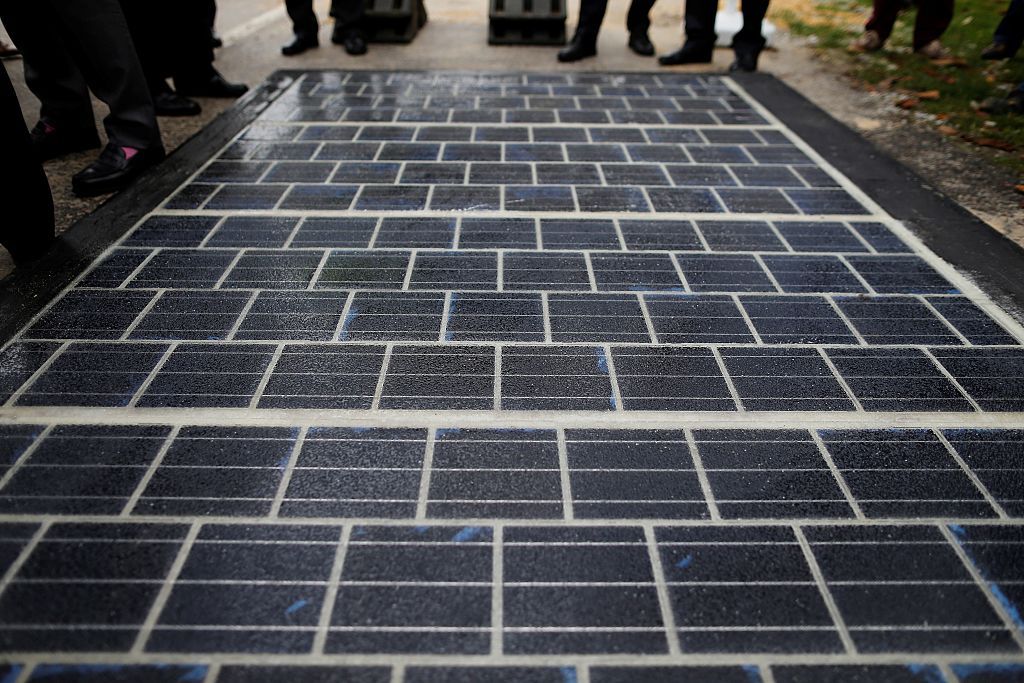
x: 960, y: 87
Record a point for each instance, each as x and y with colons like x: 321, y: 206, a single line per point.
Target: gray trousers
x: 73, y: 46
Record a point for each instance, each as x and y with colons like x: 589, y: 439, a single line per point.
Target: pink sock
x: 129, y: 152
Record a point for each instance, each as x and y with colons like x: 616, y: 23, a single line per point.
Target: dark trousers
x: 171, y: 44
x: 73, y: 46
x: 348, y: 15
x: 933, y: 18
x: 1010, y: 31
x: 592, y: 14
x: 22, y: 182
x: 700, y: 23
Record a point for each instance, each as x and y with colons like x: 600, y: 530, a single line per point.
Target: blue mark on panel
x: 927, y: 673
x: 359, y: 531
x: 602, y: 361
x: 685, y: 562
x: 448, y: 334
x: 446, y: 431
x: 469, y: 533
x: 568, y: 674
x: 421, y: 529
x: 352, y: 314
x: 1002, y: 599
x: 296, y: 606
x: 963, y: 671
x: 12, y: 675
x: 997, y: 592
x: 752, y: 672
x: 196, y: 673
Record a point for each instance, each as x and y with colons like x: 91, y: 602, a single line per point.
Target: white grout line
x: 838, y: 376
x: 428, y: 468
x: 826, y: 594
x: 613, y: 377
x: 546, y: 313
x: 746, y: 319
x: 737, y: 399
x: 165, y: 589
x: 648, y: 321
x: 702, y: 476
x: 331, y: 594
x: 141, y: 391
x: 497, y: 592
x: 408, y: 270
x: 978, y: 484
x: 837, y: 474
x: 142, y: 314
x: 289, y: 470
x: 952, y: 380
x: 133, y: 500
x: 984, y: 586
x: 952, y: 328
x: 379, y: 391
x: 346, y: 309
x: 497, y: 377
x: 242, y: 315
x: 254, y: 402
x: 563, y: 472
x: 664, y: 597
x: 227, y: 271
x: 590, y: 271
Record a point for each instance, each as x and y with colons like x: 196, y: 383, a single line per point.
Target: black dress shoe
x: 50, y: 140
x: 746, y: 58
x: 641, y: 44
x: 300, y: 45
x: 998, y: 50
x: 355, y: 44
x: 213, y: 85
x: 113, y: 170
x: 579, y: 48
x: 170, y: 103
x: 215, y: 40
x: 688, y: 54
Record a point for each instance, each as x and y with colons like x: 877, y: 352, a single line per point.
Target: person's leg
x: 584, y: 40
x: 883, y: 18
x: 933, y: 18
x: 99, y: 39
x: 1010, y: 31
x: 22, y: 184
x: 638, y: 23
x: 303, y: 16
x: 192, y: 67
x: 748, y: 42
x: 348, y: 25
x: 700, y: 34
x: 304, y: 25
x: 51, y: 74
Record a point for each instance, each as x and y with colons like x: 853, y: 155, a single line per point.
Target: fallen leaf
x: 948, y: 130
x: 928, y: 95
x: 949, y: 61
x: 908, y: 103
x: 992, y: 142
x: 942, y: 117
x: 951, y: 80
x: 1019, y: 188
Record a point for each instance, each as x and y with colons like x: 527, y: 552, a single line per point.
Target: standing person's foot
x: 746, y: 57
x: 869, y: 41
x: 1012, y: 104
x: 997, y: 50
x: 215, y: 40
x: 934, y: 50
x: 170, y: 103
x: 641, y: 44
x: 8, y: 51
x: 579, y: 48
x: 51, y: 140
x: 214, y: 85
x: 688, y: 54
x: 115, y: 168
x: 353, y: 41
x: 299, y: 45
